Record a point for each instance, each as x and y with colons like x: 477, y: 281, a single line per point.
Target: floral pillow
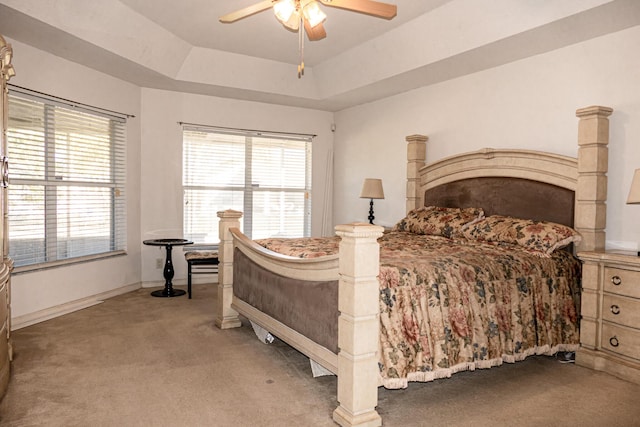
x: 438, y: 221
x: 540, y: 237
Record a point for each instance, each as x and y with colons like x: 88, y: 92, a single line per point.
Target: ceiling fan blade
x: 316, y: 33
x: 247, y: 11
x: 368, y: 7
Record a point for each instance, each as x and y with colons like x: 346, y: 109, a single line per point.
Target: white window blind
x: 266, y: 176
x: 67, y: 181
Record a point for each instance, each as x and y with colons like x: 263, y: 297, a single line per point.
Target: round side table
x: 168, y: 291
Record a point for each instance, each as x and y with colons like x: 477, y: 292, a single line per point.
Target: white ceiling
x: 180, y: 45
x: 196, y: 22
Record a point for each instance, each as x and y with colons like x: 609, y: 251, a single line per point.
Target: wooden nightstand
x: 610, y: 308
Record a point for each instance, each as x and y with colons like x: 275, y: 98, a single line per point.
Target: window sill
x: 66, y: 262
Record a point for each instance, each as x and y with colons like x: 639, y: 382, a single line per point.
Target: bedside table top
x: 611, y: 256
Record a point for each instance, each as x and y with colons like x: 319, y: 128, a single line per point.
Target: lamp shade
x: 634, y: 192
x: 372, y: 189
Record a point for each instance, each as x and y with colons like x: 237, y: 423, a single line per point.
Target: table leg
x: 168, y: 290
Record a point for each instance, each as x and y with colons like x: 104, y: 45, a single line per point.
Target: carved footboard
x: 278, y: 297
x: 354, y: 269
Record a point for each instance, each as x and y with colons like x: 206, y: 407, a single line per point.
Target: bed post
x: 416, y: 156
x: 226, y: 317
x: 591, y: 191
x: 358, y: 325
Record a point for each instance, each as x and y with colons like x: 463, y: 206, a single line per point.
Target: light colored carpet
x: 135, y: 360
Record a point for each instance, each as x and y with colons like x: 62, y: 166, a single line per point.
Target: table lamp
x: 634, y: 192
x: 372, y: 189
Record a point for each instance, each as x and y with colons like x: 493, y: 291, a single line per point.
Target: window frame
x: 247, y: 187
x: 115, y: 184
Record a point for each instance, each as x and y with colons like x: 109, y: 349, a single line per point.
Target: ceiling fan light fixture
x: 306, y: 16
x: 293, y: 23
x: 284, y: 9
x: 313, y: 14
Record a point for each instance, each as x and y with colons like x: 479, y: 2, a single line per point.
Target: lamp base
x: 371, y: 217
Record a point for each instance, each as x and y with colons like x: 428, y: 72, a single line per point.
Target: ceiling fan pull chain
x: 301, y: 46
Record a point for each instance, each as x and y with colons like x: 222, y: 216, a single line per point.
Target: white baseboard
x: 69, y: 307
x: 208, y: 279
x: 158, y: 284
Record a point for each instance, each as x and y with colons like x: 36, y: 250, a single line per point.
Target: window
x: 266, y: 176
x: 66, y: 193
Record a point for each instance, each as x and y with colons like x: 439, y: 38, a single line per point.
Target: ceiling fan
x: 296, y: 14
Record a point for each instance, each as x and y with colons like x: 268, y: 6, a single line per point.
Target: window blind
x: 67, y: 181
x: 268, y: 178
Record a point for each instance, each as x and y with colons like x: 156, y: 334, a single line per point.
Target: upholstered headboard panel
x: 515, y: 197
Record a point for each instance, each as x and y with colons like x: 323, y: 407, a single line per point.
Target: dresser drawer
x: 622, y: 310
x: 622, y: 282
x: 621, y: 340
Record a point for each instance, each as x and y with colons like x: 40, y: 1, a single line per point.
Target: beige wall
x: 161, y: 195
x: 154, y: 174
x: 530, y: 103
x: 42, y: 290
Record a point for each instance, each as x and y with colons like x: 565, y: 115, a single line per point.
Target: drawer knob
x: 614, y: 341
x: 615, y: 309
x: 616, y: 280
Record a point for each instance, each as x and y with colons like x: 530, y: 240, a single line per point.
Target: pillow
x: 541, y: 237
x: 438, y: 221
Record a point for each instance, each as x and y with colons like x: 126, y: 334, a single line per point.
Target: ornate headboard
x: 523, y: 183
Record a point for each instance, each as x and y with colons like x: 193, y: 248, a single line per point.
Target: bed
x: 344, y: 287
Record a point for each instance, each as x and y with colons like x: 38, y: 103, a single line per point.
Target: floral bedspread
x: 451, y: 305
x: 305, y: 247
